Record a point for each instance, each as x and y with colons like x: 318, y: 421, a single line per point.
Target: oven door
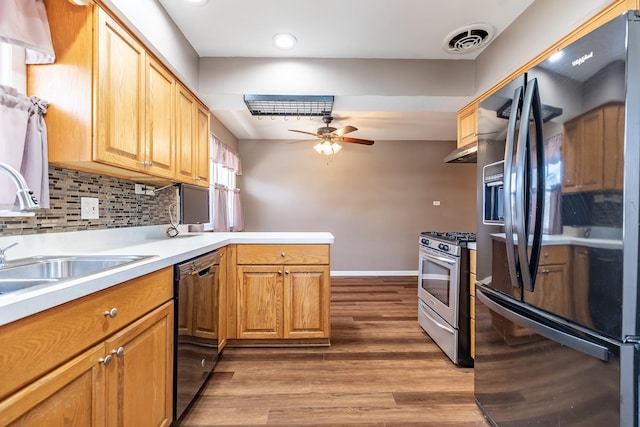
x: 438, y: 283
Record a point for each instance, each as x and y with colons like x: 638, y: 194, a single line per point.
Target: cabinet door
x: 185, y: 122
x: 160, y: 136
x: 591, y: 151
x: 120, y: 116
x: 140, y: 375
x: 201, y: 152
x: 552, y: 290
x: 570, y: 151
x: 259, y: 302
x: 468, y: 125
x: 206, y: 301
x: 613, y: 165
x: 306, y: 302
x: 72, y: 395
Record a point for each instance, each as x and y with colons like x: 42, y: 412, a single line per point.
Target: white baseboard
x: 375, y: 273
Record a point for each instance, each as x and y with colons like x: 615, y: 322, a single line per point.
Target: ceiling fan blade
x: 344, y: 130
x: 306, y: 133
x: 354, y: 140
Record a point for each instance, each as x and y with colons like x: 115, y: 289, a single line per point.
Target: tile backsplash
x: 119, y: 206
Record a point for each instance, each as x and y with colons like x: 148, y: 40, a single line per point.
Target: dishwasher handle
x: 200, y: 265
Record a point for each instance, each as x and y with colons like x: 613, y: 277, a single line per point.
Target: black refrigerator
x: 557, y: 325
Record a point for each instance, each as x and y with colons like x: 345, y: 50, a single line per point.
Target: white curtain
x: 238, y: 216
x: 221, y: 154
x: 24, y: 23
x: 23, y: 145
x: 220, y: 210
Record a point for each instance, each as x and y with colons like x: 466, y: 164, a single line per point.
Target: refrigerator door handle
x: 510, y: 191
x: 592, y: 349
x: 526, y: 150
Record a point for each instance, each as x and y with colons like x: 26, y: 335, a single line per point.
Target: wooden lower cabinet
x: 140, y: 375
x: 284, y: 301
x: 125, y: 381
x: 72, y: 395
x: 76, y: 365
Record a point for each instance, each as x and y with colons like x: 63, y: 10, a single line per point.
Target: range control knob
x: 425, y: 242
x: 443, y: 247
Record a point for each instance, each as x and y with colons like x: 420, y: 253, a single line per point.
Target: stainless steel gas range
x: 444, y: 302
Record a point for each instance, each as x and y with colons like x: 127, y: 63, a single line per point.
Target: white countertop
x: 146, y: 241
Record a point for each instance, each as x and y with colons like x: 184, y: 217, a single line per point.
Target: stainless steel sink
x: 34, y: 271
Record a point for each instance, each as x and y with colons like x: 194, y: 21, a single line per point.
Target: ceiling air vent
x: 289, y: 105
x: 469, y: 38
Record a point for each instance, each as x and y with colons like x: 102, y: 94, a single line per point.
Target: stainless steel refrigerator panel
x: 524, y: 378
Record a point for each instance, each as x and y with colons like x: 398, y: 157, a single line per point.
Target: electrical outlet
x: 139, y: 189
x: 89, y: 208
x: 436, y: 203
x: 149, y: 191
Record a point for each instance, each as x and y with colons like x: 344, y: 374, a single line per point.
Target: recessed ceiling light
x: 284, y: 41
x: 196, y: 2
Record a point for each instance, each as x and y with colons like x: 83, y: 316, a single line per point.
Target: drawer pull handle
x: 111, y: 313
x: 119, y: 352
x: 105, y: 360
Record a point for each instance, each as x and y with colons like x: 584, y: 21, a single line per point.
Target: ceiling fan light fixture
x: 284, y: 41
x: 327, y: 147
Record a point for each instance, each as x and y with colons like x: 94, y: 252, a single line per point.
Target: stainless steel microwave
x: 493, y: 194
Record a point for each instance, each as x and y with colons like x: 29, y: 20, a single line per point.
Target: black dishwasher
x: 196, y: 287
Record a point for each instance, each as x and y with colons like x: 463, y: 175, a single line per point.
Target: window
x: 226, y: 211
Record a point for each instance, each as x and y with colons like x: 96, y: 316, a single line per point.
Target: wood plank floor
x: 381, y: 370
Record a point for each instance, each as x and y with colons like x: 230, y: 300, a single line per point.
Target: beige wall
x: 375, y: 200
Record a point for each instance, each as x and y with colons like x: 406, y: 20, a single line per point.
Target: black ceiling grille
x: 289, y: 105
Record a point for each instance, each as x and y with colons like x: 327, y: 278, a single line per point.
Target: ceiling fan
x: 330, y: 137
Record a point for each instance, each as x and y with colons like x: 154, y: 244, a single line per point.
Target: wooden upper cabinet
x: 120, y: 112
x: 160, y: 138
x: 192, y: 138
x: 468, y: 125
x: 592, y: 150
x: 112, y: 105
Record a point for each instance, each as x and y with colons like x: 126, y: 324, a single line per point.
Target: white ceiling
x: 367, y: 30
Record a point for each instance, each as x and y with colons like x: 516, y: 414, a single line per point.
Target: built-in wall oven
x: 444, y: 302
x: 196, y: 292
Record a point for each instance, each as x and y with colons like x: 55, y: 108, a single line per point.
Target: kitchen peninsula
x: 69, y: 339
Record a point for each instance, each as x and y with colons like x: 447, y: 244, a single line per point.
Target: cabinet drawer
x: 37, y: 344
x: 558, y: 254
x: 282, y: 254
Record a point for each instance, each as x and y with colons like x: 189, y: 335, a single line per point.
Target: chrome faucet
x: 3, y: 258
x: 28, y: 202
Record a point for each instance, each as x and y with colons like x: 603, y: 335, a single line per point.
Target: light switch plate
x: 89, y: 208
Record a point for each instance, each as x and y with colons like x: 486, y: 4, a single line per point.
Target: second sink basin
x: 29, y: 272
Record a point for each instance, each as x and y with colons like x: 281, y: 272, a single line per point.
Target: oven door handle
x: 447, y: 260
x: 438, y: 324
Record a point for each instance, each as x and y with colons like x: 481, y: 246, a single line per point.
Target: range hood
x: 465, y: 154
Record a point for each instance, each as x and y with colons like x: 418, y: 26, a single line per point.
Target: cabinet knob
x: 197, y: 178
x: 286, y: 272
x: 105, y: 360
x: 283, y: 254
x: 119, y: 352
x: 545, y: 271
x: 111, y: 313
x: 279, y: 271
